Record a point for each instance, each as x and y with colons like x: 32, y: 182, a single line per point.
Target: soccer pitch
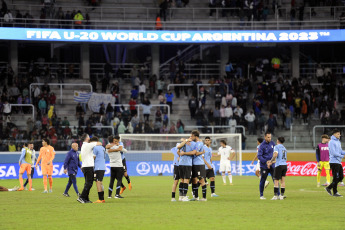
x: 148, y: 206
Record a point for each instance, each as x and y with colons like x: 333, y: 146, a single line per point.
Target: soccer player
x: 225, y: 161
x: 176, y: 173
x: 336, y: 154
x: 208, y: 166
x: 32, y: 167
x: 116, y: 165
x: 279, y: 158
x: 198, y: 168
x: 99, y: 156
x: 257, y: 169
x: 25, y: 161
x: 47, y: 154
x: 187, y: 149
x: 87, y: 167
x: 265, y: 153
x: 123, y: 187
x: 4, y: 189
x: 322, y: 157
x: 71, y: 165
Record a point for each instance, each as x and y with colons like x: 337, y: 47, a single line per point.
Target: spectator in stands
x: 8, y: 19
x: 121, y: 129
x: 109, y: 113
x: 218, y: 99
x: 304, y: 112
x: 135, y: 120
x: 250, y: 118
x: 193, y: 105
x: 19, y: 19
x: 12, y: 147
x: 78, y: 20
x: 157, y: 126
x: 180, y: 126
x: 172, y: 70
x: 65, y: 122
x: 29, y: 125
x: 216, y: 115
x: 134, y: 93
x: 42, y: 106
x: 87, y: 21
x: 164, y: 129
x: 146, y: 111
x: 132, y: 106
x: 158, y: 23
x: 271, y: 123
x: 169, y: 100
x: 142, y: 91
x: 228, y: 113
x: 129, y: 128
x: 212, y: 5
x: 163, y: 9
x: 79, y: 110
x: 160, y: 85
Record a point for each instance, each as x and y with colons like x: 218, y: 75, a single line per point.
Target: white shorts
x: 257, y: 166
x: 225, y: 167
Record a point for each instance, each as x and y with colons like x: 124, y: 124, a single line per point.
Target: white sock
x: 230, y: 178
x: 10, y: 190
x: 224, y: 179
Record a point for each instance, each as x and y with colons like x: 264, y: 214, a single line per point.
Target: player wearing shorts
x: 187, y: 149
x: 225, y: 161
x: 257, y: 169
x: 198, y: 168
x: 279, y: 158
x: 47, y: 154
x: 25, y: 162
x: 208, y: 166
x: 322, y: 157
x: 99, y: 155
x: 176, y: 173
x: 116, y: 167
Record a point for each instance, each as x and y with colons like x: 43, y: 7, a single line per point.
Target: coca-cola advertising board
x: 304, y: 168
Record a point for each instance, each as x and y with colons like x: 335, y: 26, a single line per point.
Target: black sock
x: 101, y: 195
x: 282, y: 191
x: 198, y: 184
x: 185, y: 189
x: 128, y: 180
x: 180, y: 189
x: 204, y: 189
x: 196, y: 190
x: 172, y: 195
x: 276, y: 191
x: 213, y: 187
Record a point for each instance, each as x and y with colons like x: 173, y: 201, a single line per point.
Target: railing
x: 198, y: 71
x: 58, y: 84
x: 70, y: 70
x: 175, y: 13
x: 184, y: 85
x: 177, y: 25
x: 217, y: 127
x: 323, y: 126
x: 138, y: 106
x: 25, y: 105
x: 96, y: 127
x: 309, y: 69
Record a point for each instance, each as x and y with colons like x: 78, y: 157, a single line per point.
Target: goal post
x: 149, y: 147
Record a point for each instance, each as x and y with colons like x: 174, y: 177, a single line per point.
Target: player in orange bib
x: 47, y: 154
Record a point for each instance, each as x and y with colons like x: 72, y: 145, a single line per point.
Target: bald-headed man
x: 71, y: 165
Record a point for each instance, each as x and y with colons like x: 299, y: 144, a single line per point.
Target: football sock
x: 21, y: 182
x: 185, y: 189
x: 172, y: 195
x: 276, y: 191
x: 224, y: 179
x: 204, y: 191
x: 45, y: 182
x: 196, y: 190
x: 128, y: 180
x: 213, y: 187
x: 50, y: 182
x: 318, y: 177
x: 328, y: 177
x: 180, y: 189
x: 230, y: 178
x: 101, y: 195
x: 198, y: 184
x: 282, y: 191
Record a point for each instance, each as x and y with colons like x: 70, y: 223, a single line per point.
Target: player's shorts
x: 124, y: 165
x: 47, y: 170
x: 176, y: 172
x: 324, y: 164
x: 225, y: 167
x: 198, y: 171
x: 25, y: 167
x: 99, y: 174
x: 209, y: 173
x: 185, y: 171
x: 279, y: 172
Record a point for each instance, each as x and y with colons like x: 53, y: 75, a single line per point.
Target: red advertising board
x: 304, y: 168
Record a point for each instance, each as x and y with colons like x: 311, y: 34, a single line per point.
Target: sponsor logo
x: 143, y: 168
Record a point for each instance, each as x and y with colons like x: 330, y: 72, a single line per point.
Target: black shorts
x: 209, y: 173
x: 176, y: 172
x: 124, y: 165
x: 198, y: 171
x: 116, y: 173
x: 185, y: 171
x: 99, y: 174
x: 279, y: 172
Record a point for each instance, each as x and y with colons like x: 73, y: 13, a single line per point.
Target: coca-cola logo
x: 301, y: 168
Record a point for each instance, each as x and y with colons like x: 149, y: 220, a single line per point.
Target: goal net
x: 157, y: 148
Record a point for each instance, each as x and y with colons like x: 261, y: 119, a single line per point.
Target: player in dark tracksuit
x: 71, y: 165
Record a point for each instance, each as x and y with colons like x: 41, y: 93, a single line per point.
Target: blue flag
x: 82, y: 97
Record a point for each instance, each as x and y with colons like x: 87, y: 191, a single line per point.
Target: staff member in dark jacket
x: 71, y: 165
x: 265, y: 153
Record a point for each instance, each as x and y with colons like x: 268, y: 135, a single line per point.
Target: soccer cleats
x: 99, y: 201
x: 203, y: 199
x: 130, y: 186
x: 328, y: 191
x: 45, y: 191
x: 337, y: 195
x: 185, y: 199
x: 262, y: 198
x: 173, y: 200
x: 118, y: 197
x: 66, y: 194
x: 21, y: 189
x: 275, y: 198
x: 214, y: 195
x: 123, y: 189
x: 80, y: 200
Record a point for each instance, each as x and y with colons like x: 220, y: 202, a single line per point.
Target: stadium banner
x: 152, y: 36
x: 164, y: 168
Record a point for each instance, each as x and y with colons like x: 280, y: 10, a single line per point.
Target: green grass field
x: 148, y: 206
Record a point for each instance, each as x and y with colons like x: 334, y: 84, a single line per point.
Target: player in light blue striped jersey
x: 208, y: 166
x: 176, y: 173
x: 279, y: 158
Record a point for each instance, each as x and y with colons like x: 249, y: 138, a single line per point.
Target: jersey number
x: 284, y: 155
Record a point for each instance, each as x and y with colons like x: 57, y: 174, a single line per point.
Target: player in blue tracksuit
x: 71, y: 165
x: 187, y: 148
x: 265, y: 153
x: 336, y: 154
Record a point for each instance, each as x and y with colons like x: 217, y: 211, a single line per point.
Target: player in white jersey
x: 225, y: 160
x: 257, y: 169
